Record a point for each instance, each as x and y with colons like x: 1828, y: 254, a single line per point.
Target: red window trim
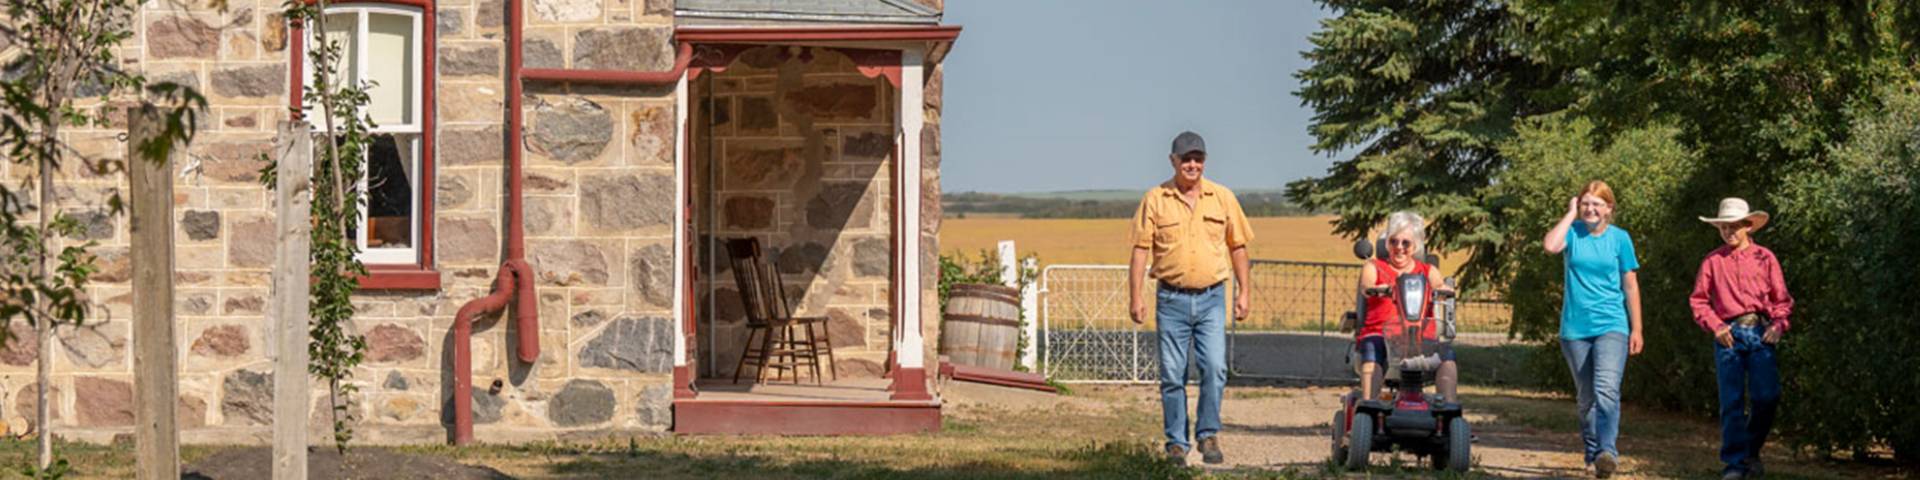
x: 419, y: 275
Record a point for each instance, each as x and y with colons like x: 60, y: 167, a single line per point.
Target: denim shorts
x: 1373, y: 348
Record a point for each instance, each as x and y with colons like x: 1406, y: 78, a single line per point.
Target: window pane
x: 390, y: 40
x: 391, y: 166
x: 340, y: 29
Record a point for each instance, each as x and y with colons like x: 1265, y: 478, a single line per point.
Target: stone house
x: 573, y: 163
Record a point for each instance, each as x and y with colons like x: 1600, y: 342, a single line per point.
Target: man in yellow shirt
x: 1193, y: 230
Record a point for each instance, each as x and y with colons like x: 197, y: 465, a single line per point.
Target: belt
x: 1190, y: 291
x: 1749, y: 319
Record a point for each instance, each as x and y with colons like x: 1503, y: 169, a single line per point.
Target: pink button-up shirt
x: 1735, y: 282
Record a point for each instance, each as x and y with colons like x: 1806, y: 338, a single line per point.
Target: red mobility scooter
x: 1406, y: 417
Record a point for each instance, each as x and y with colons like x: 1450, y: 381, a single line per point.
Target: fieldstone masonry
x: 803, y: 150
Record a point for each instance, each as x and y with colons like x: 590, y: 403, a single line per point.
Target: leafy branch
x: 338, y: 197
x: 64, y: 51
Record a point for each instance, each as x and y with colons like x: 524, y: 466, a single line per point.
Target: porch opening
x: 795, y: 146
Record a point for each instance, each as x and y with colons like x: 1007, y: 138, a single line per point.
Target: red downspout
x: 515, y: 275
x: 515, y: 278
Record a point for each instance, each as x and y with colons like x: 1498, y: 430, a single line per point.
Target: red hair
x: 1599, y: 189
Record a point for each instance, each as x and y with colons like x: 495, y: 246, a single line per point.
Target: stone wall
x: 796, y: 149
x: 599, y: 205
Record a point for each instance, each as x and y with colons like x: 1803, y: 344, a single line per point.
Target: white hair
x: 1405, y: 220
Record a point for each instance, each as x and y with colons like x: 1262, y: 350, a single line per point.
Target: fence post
x: 1010, y: 272
x: 150, y: 223
x: 1323, y: 300
x: 1030, y: 316
x: 292, y: 388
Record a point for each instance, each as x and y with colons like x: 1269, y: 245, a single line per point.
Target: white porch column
x: 680, y: 252
x: 912, y: 348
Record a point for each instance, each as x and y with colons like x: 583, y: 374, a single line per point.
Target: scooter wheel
x: 1459, y: 454
x: 1359, y: 441
x: 1339, y: 434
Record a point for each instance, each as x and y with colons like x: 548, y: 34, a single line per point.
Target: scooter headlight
x: 1413, y: 294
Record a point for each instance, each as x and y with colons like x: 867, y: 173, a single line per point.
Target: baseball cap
x: 1188, y: 142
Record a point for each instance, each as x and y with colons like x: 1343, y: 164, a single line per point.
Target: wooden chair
x: 770, y: 320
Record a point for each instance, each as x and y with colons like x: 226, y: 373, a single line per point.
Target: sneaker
x: 1733, y: 475
x: 1210, y: 451
x: 1177, y: 454
x: 1756, y: 469
x: 1604, y: 466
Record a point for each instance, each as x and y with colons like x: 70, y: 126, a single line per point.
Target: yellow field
x: 1287, y: 298
x: 1104, y: 241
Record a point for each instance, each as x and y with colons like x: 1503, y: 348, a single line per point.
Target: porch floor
x: 857, y: 390
x: 845, y: 407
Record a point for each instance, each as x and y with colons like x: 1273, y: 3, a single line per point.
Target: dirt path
x: 1288, y: 428
x: 1521, y: 435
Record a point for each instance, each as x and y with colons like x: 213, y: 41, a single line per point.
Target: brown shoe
x: 1210, y: 451
x: 1177, y: 454
x: 1605, y: 465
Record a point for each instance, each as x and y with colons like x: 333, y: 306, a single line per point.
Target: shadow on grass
x: 1656, y: 443
x: 1111, y: 460
x: 1499, y: 366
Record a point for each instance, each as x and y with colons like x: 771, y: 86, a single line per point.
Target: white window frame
x: 412, y: 130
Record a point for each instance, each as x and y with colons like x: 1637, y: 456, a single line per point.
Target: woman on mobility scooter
x: 1402, y: 330
x: 1405, y: 241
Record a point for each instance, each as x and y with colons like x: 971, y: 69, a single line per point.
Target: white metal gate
x: 1087, y: 337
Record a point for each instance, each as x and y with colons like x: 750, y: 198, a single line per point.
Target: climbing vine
x: 334, y: 348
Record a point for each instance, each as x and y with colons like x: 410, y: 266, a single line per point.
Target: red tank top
x: 1380, y: 310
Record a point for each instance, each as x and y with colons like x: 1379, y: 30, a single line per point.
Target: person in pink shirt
x: 1740, y: 297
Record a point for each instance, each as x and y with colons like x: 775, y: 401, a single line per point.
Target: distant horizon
x: 1072, y: 95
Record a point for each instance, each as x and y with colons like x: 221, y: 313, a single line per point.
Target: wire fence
x: 1290, y: 333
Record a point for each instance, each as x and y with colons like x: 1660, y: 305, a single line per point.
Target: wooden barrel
x: 981, y: 326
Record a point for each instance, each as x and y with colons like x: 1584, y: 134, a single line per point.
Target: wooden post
x: 155, y: 374
x: 292, y: 387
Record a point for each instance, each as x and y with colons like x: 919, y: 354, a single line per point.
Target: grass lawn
x: 977, y: 442
x: 1103, y: 432
x: 1097, y: 431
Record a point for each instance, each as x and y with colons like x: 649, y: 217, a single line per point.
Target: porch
x: 802, y: 139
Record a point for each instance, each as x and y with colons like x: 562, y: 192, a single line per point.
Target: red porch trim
x: 743, y: 417
x: 933, y: 33
x: 991, y: 376
x: 910, y: 383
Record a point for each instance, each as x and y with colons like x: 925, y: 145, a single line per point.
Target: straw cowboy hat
x: 1734, y: 210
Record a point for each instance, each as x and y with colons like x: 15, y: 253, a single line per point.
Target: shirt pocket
x: 1216, y: 227
x: 1166, y: 233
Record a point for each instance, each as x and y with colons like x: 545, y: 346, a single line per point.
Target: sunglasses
x: 1400, y: 242
x: 1195, y: 158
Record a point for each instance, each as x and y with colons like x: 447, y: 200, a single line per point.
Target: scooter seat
x: 1424, y: 363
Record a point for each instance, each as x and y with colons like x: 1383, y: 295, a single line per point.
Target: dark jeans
x: 1747, y: 374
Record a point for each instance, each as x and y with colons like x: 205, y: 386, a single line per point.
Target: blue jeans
x: 1197, y: 320
x: 1747, y: 373
x: 1597, y: 364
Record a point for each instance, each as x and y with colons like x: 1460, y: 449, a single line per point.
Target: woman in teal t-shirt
x: 1600, y: 316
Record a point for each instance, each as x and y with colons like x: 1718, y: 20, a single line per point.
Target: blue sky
x: 1084, y: 94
